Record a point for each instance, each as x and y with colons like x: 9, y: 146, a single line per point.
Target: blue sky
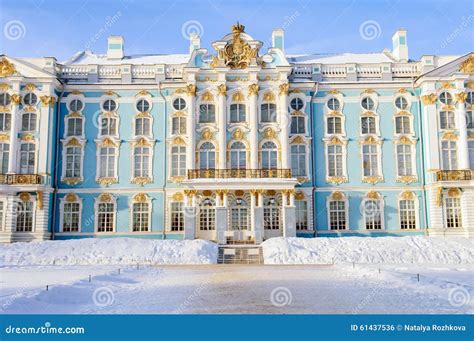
x: 61, y: 28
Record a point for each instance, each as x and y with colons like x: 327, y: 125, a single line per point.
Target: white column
x: 430, y: 133
x: 190, y: 215
x: 43, y: 146
x: 225, y: 201
x: 221, y: 114
x: 284, y: 124
x: 461, y: 123
x: 253, y: 120
x: 13, y: 151
x: 191, y: 130
x: 292, y: 198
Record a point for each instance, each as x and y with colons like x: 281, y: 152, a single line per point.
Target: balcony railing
x: 238, y: 173
x: 454, y: 175
x: 21, y: 179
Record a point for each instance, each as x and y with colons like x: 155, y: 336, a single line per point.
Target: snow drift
x: 390, y: 250
x: 109, y: 251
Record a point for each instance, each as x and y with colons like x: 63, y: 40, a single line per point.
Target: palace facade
x: 239, y: 144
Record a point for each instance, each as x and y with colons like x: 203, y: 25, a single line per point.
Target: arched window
x: 142, y: 126
x: 178, y: 161
x: 5, y: 121
x: 372, y: 209
x: 268, y: 112
x: 27, y: 158
x: 335, y: 160
x: 207, y: 113
x: 4, y: 157
x: 446, y: 98
x: 407, y: 213
x: 449, y: 156
x: 74, y: 126
x: 238, y: 156
x: 207, y: 215
x: 298, y: 160
x: 334, y: 125
x: 239, y: 217
x: 237, y: 112
x: 271, y: 214
x: 207, y: 156
x: 447, y: 120
x: 73, y: 157
x: 141, y: 217
x: 28, y: 121
x: 141, y: 163
x: 269, y: 155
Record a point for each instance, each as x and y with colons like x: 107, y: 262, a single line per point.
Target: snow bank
x: 109, y: 251
x: 390, y: 250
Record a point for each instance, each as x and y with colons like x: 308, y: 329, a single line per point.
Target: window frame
x: 330, y: 199
x: 62, y: 203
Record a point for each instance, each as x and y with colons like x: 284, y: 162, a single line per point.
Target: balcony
x: 21, y: 179
x: 454, y: 175
x: 238, y: 173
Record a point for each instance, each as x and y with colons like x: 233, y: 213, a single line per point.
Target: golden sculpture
x: 253, y: 89
x: 105, y: 197
x: 16, y: 99
x: 407, y: 195
x: 222, y: 89
x: 71, y: 197
x: 337, y: 196
x: 140, y: 197
x: 429, y: 99
x: 461, y: 97
x: 178, y: 196
x: 236, y: 54
x: 284, y: 88
x: 238, y: 97
x: 468, y: 65
x: 7, y: 69
x: 373, y: 195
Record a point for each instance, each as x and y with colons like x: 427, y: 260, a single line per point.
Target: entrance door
x: 272, y: 218
x: 207, y: 220
x: 239, y: 219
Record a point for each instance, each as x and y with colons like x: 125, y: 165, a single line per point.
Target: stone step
x: 240, y: 255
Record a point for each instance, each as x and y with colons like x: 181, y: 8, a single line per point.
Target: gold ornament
x: 468, y: 65
x: 105, y: 197
x: 16, y: 99
x: 284, y: 88
x: 461, y: 97
x: 407, y: 195
x: 140, y: 197
x: 7, y: 69
x: 178, y: 196
x: 238, y: 97
x: 71, y: 197
x: 253, y: 89
x: 429, y: 99
x: 337, y: 196
x: 222, y: 90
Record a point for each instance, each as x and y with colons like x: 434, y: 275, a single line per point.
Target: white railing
x: 406, y: 70
x: 174, y: 71
x: 109, y: 71
x: 333, y: 71
x: 369, y: 71
x: 74, y: 72
x: 143, y: 71
x: 303, y: 71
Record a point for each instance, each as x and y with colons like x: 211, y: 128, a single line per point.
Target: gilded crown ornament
x: 7, y: 69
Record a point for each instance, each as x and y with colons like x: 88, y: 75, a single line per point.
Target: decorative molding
x: 449, y: 136
x: 107, y: 142
x: 178, y: 141
x: 74, y: 142
x: 140, y: 198
x: 4, y: 87
x: 407, y: 195
x: 460, y: 97
x: 237, y: 97
x: 284, y: 89
x: 372, y: 179
x: 207, y: 97
x: 71, y: 197
x: 141, y: 180
x: 207, y: 135
x: 298, y: 140
x: 178, y: 196
x: 39, y: 200
x: 429, y: 99
x: 404, y: 140
x: 337, y: 195
x: 333, y: 92
x: 269, y: 133
x: 4, y: 137
x: 47, y: 100
x: 253, y: 89
x: 299, y: 195
x: 373, y: 195
x: 447, y: 85
x: 7, y: 69
x: 407, y: 179
x: 337, y: 180
x: 105, y: 197
x: 16, y: 99
x: 269, y: 96
x: 177, y: 178
x: 143, y: 93
x: 468, y: 65
x: 141, y: 142
x: 106, y: 181
x: 370, y: 140
x: 238, y: 134
x: 454, y: 192
x: 71, y: 181
x: 221, y: 90
x: 24, y: 196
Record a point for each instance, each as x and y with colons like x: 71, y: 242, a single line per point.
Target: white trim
x: 64, y: 146
x: 382, y: 213
x: 330, y: 199
x: 63, y: 201
x: 131, y: 202
x: 417, y: 212
x: 97, y: 201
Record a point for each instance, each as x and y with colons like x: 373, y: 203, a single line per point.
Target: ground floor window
x: 207, y: 216
x: 407, y: 214
x: 239, y: 215
x: 71, y: 212
x: 271, y: 215
x: 337, y: 214
x: 177, y: 216
x: 141, y: 217
x: 301, y: 212
x: 453, y: 212
x: 106, y: 217
x: 373, y: 214
x: 24, y: 218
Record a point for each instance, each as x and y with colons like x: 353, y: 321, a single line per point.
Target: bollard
x: 47, y: 287
x: 353, y: 265
x: 138, y: 266
x: 418, y: 276
x: 89, y: 278
x: 119, y: 272
x: 379, y: 271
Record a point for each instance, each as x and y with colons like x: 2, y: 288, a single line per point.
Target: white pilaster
x: 253, y: 121
x: 461, y: 123
x: 191, y: 131
x: 13, y: 151
x: 284, y: 124
x: 221, y: 135
x: 430, y: 120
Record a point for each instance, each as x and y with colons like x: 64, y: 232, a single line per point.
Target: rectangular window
x: 237, y: 113
x: 24, y: 218
x: 407, y: 214
x: 335, y: 160
x: 470, y: 145
x: 368, y: 125
x: 71, y: 215
x: 334, y: 125
x: 28, y: 122
x: 177, y: 216
x: 404, y: 160
x: 298, y: 160
x: 5, y: 121
x: 337, y: 215
x: 301, y: 210
x: 373, y: 214
x: 141, y: 217
x: 469, y: 118
x: 178, y: 125
x: 178, y: 161
x: 370, y: 160
x: 108, y: 126
x: 74, y: 126
x: 268, y: 113
x: 142, y: 126
x: 2, y: 215
x: 207, y: 113
x: 453, y: 213
x: 4, y: 157
x: 27, y: 158
x: 141, y: 165
x: 106, y: 217
x: 402, y: 125
x: 449, y: 155
x: 297, y: 125
x: 447, y: 120
x: 107, y: 162
x: 73, y: 162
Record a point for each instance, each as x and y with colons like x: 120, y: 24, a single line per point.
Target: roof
x: 340, y: 58
x: 90, y: 58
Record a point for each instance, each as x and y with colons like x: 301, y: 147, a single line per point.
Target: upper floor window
x: 74, y: 126
x: 178, y: 125
x: 28, y: 121
x: 109, y: 105
x: 178, y: 161
x: 298, y: 160
x: 5, y: 99
x: 334, y: 104
x: 76, y: 105
x: 5, y: 121
x: 297, y: 103
x: 367, y: 103
x: 141, y: 162
x: 143, y: 105
x: 469, y: 118
x: 238, y: 156
x: 335, y: 160
x: 269, y: 155
x: 446, y: 98
x: 108, y: 126
x: 470, y: 145
x: 73, y: 162
x: 30, y: 99
x: 470, y: 98
x: 142, y: 126
x: 370, y: 160
x: 449, y: 156
x: 179, y: 104
x: 334, y: 125
x: 368, y: 125
x: 402, y: 125
x: 237, y: 113
x: 207, y: 156
x: 4, y: 156
x: 27, y: 158
x: 107, y: 162
x: 268, y: 112
x: 401, y: 103
x: 447, y: 120
x: 404, y: 160
x: 297, y: 125
x: 207, y: 113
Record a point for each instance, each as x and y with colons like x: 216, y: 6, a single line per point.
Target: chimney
x: 194, y: 42
x: 115, y: 47
x: 278, y: 38
x: 400, y: 45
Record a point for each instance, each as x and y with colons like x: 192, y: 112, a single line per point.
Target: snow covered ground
x: 237, y: 289
x: 380, y: 250
x: 109, y: 251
